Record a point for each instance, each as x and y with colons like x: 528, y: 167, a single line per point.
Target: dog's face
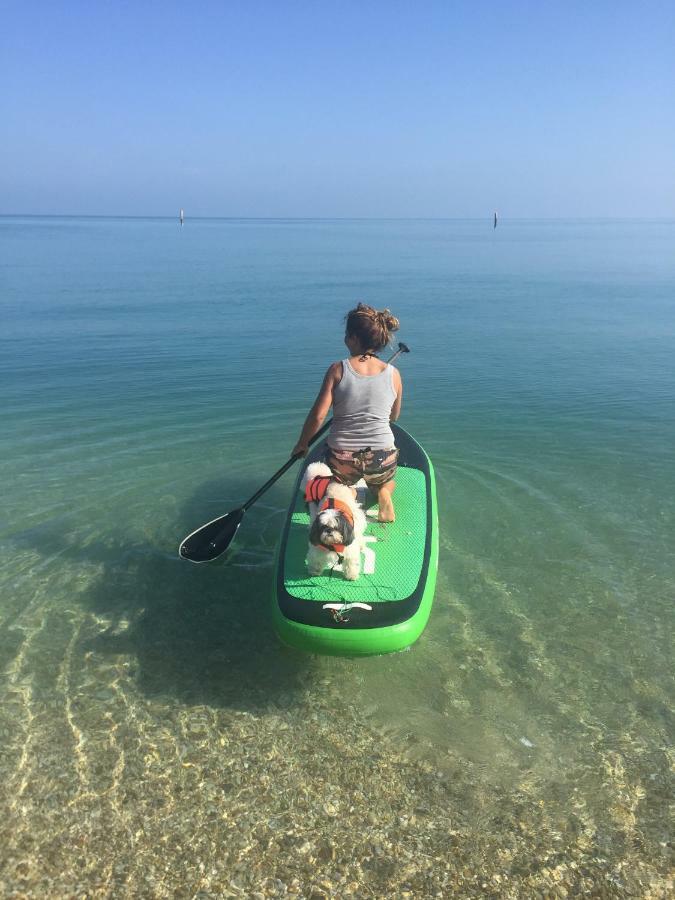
x: 331, y: 527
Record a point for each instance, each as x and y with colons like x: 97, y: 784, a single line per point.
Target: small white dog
x: 336, y: 525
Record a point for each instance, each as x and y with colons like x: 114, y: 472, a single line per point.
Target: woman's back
x: 365, y: 394
x: 362, y: 403
x: 367, y: 365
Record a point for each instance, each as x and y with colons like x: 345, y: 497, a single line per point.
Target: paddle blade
x: 212, y: 539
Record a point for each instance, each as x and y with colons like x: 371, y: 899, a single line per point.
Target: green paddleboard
x: 398, y: 570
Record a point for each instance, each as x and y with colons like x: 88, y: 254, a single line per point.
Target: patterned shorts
x: 376, y: 467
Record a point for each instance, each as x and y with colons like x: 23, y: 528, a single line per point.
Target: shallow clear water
x: 155, y: 735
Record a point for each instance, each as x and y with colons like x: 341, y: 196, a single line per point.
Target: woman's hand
x: 300, y: 449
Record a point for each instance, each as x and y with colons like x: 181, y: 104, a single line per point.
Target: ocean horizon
x: 242, y: 218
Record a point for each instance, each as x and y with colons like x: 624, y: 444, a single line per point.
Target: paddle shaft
x: 402, y: 348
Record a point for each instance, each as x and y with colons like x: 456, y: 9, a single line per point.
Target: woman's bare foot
x: 385, y: 504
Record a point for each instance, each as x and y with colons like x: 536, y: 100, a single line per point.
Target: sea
x: 156, y: 740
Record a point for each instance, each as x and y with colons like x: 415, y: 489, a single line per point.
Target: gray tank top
x: 361, y: 408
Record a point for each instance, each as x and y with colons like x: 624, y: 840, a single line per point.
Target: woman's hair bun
x: 371, y: 326
x: 389, y: 321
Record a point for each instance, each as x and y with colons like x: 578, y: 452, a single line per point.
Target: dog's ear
x: 315, y: 532
x: 347, y: 530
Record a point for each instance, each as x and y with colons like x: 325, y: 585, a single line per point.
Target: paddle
x: 213, y: 538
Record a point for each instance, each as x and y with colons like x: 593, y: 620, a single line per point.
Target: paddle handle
x: 402, y: 348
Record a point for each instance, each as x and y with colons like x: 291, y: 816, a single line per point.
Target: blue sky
x: 338, y: 109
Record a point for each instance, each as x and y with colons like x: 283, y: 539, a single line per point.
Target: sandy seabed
x: 176, y: 753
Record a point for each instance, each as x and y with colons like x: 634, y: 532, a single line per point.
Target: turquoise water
x: 154, y: 733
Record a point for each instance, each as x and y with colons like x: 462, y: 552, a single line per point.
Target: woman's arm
x: 319, y: 410
x: 398, y: 387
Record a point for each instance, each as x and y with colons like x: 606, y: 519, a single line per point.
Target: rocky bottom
x: 115, y: 793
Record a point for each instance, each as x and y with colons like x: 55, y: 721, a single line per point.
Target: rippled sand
x: 157, y: 742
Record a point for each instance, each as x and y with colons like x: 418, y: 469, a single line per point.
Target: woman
x: 365, y: 394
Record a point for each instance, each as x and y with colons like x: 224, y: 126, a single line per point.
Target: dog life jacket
x: 331, y: 503
x: 315, y: 489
